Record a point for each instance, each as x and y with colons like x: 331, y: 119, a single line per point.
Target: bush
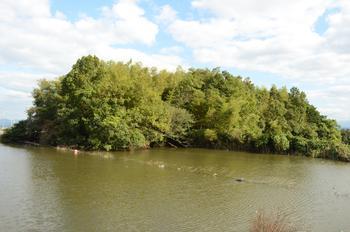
x: 271, y: 223
x: 17, y: 133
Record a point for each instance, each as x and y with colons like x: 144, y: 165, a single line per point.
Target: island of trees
x: 102, y: 105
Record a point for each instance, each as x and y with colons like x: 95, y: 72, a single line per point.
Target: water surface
x: 44, y: 189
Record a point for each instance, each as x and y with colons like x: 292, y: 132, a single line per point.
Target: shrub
x: 271, y: 223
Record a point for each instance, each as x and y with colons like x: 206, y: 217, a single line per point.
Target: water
x: 44, y: 189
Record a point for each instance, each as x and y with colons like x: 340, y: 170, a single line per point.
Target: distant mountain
x: 5, y: 123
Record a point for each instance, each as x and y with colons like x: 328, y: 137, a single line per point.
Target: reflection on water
x: 167, y: 190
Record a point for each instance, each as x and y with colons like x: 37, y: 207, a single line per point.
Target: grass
x: 277, y: 222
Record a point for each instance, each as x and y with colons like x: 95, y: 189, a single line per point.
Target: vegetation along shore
x: 102, y: 105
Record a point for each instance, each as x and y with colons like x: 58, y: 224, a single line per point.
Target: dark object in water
x: 239, y: 179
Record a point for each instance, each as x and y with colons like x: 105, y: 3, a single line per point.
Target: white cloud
x: 163, y: 61
x: 15, y: 92
x: 331, y: 96
x: 35, y: 39
x: 10, y: 95
x: 338, y: 33
x: 21, y: 81
x: 276, y: 37
x: 270, y: 36
x: 167, y: 14
x: 172, y: 50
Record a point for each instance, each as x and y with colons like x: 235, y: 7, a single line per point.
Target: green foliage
x: 109, y: 106
x: 17, y: 133
x: 210, y: 135
x: 345, y: 133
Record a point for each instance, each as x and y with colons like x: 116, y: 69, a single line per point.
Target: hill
x: 110, y: 106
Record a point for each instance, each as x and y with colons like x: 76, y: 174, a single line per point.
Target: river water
x: 45, y: 189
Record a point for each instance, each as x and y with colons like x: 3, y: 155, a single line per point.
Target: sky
x: 302, y: 43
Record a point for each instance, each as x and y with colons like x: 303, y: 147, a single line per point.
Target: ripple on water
x: 167, y: 190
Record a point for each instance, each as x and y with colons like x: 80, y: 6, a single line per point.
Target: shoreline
x: 76, y: 151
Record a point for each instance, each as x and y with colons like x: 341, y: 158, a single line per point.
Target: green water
x: 44, y: 189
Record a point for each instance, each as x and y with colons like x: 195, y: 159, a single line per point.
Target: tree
x: 346, y: 136
x: 110, y: 106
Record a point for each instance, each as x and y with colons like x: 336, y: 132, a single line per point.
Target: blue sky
x: 301, y: 43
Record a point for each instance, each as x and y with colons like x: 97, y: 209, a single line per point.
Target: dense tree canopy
x: 110, y: 106
x: 346, y: 136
